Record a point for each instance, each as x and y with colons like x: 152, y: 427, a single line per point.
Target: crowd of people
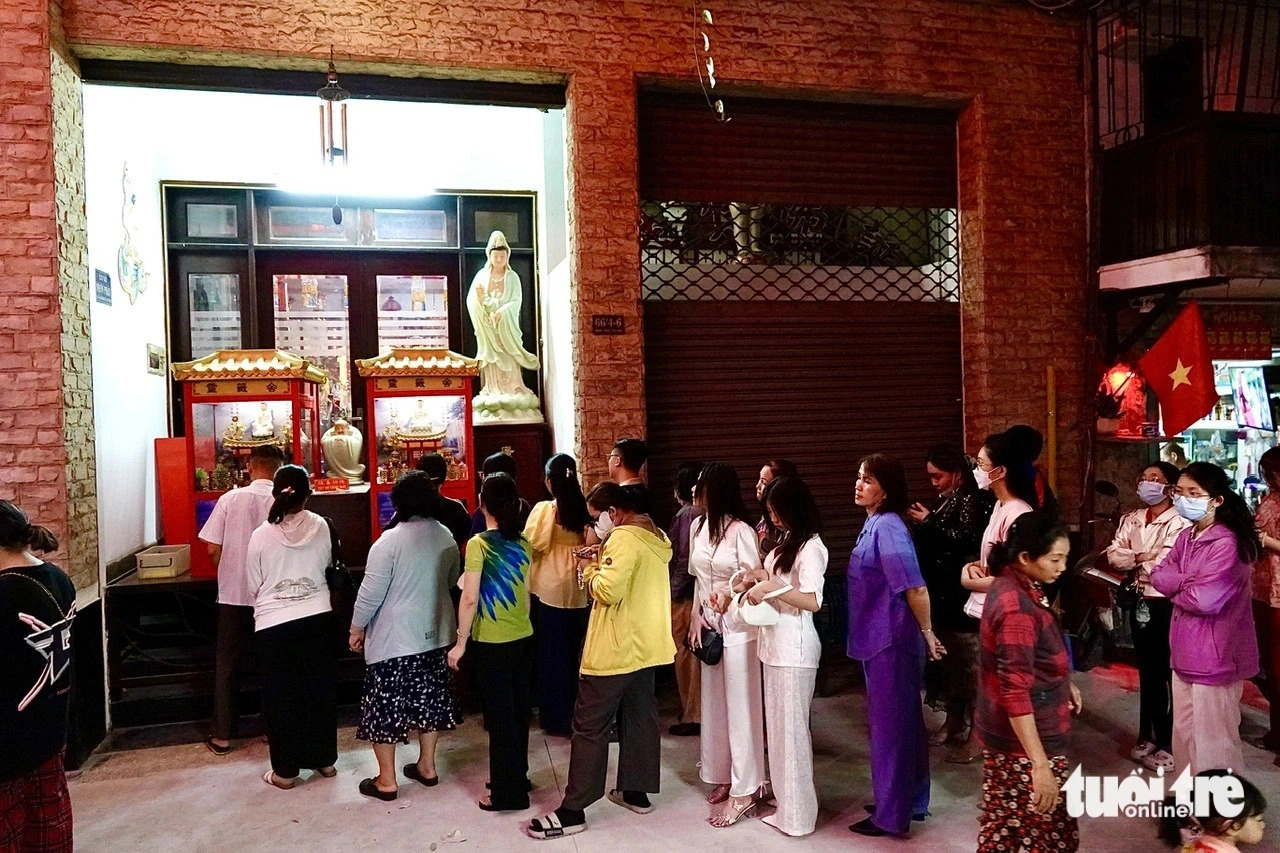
x: 572, y: 606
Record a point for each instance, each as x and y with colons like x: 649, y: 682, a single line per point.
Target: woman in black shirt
x: 947, y: 537
x: 37, y: 604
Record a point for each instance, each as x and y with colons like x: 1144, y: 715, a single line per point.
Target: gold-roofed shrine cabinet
x: 419, y: 402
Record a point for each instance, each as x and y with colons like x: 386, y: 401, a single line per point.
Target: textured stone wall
x: 73, y: 282
x: 1015, y: 74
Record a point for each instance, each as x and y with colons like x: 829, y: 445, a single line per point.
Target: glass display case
x: 237, y: 401
x: 419, y: 403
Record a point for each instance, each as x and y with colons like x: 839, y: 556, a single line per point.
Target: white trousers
x: 788, y: 695
x: 733, y: 721
x: 1206, y: 726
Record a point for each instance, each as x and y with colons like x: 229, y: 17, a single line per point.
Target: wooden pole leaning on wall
x: 1051, y: 431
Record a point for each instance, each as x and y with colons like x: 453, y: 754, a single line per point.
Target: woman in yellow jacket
x: 628, y: 636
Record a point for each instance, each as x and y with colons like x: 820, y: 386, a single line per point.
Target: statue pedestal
x: 530, y: 446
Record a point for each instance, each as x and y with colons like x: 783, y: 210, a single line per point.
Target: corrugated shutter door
x: 819, y: 383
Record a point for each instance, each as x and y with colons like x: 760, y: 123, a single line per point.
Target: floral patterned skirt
x: 410, y: 693
x: 1008, y: 823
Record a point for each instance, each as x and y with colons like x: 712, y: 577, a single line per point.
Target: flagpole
x: 1051, y: 432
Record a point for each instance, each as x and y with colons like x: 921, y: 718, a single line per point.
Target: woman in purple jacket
x: 1207, y: 577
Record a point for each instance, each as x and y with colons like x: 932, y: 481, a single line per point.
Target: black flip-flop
x: 411, y: 771
x: 370, y: 789
x: 216, y: 748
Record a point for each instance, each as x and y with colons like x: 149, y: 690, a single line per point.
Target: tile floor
x: 182, y: 798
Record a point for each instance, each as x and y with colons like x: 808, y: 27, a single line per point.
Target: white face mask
x: 604, y: 524
x: 1151, y: 493
x: 1192, y: 509
x: 983, y: 477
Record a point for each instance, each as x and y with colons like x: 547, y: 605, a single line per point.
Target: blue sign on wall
x: 102, y: 287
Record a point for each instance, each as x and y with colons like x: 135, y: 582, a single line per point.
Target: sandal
x: 718, y: 795
x: 275, y: 781
x: 960, y: 755
x: 615, y: 796
x: 411, y: 771
x: 370, y: 789
x: 734, y: 813
x: 1157, y: 761
x: 216, y: 748
x: 327, y: 772
x: 549, y: 826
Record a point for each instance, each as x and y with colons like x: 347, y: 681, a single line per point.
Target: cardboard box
x: 164, y: 561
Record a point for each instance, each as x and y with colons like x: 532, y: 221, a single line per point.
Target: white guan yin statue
x: 494, y: 302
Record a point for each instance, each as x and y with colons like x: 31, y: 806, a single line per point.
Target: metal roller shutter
x: 819, y: 383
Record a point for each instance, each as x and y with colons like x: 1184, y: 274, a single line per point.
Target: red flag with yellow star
x: 1179, y: 370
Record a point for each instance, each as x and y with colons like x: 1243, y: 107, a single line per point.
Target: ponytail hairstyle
x: 1234, y: 513
x: 1009, y: 453
x: 501, y: 500
x: 17, y: 533
x: 793, y: 503
x: 608, y: 495
x: 571, y: 505
x: 1033, y: 533
x: 292, y: 488
x: 1030, y: 443
x: 1214, y: 824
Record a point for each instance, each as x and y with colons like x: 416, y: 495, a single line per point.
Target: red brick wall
x: 32, y: 451
x: 1021, y: 141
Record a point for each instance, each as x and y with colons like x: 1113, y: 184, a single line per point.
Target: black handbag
x: 342, y: 584
x: 712, y: 648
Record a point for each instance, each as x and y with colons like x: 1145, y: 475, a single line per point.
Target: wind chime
x: 703, y: 61
x: 332, y: 148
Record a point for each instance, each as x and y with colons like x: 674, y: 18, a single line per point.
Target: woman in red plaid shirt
x: 1026, y: 695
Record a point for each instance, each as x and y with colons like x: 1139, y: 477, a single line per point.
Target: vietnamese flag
x: 1180, y: 371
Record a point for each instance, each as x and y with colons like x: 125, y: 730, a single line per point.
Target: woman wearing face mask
x: 1005, y: 468
x: 724, y: 545
x: 1214, y: 650
x: 947, y: 537
x: 1142, y: 540
x: 1026, y: 699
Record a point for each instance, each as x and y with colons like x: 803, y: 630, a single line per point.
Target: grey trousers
x: 601, y: 697
x: 235, y: 636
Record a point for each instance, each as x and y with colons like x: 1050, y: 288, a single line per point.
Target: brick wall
x: 81, y: 543
x: 1015, y: 72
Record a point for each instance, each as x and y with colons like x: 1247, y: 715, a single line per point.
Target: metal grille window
x: 719, y: 252
x: 1162, y: 63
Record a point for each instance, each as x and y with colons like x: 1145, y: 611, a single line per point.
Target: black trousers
x: 1155, y: 676
x: 505, y: 674
x: 235, y: 628
x: 559, y: 633
x: 630, y: 698
x: 299, y: 694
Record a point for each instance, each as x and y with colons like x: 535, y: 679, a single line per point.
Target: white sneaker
x: 1142, y: 750
x: 1158, y: 760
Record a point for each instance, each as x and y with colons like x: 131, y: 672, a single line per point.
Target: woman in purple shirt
x: 1214, y: 649
x: 891, y: 633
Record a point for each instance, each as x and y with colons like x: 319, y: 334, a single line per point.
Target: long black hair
x: 292, y: 488
x: 686, y: 479
x: 721, y: 493
x: 571, y: 505
x: 793, y: 503
x: 951, y: 458
x: 414, y: 496
x: 1009, y: 453
x: 1214, y: 823
x: 17, y: 533
x: 501, y: 499
x: 892, y: 477
x: 1234, y: 513
x: 1033, y: 533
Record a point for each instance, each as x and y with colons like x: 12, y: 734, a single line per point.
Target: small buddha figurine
x: 234, y: 431
x: 264, y: 426
x: 341, y: 445
x: 420, y: 421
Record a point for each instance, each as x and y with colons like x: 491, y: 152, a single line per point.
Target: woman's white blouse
x: 794, y: 640
x: 714, y: 564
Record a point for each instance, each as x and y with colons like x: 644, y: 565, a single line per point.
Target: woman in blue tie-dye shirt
x: 494, y: 615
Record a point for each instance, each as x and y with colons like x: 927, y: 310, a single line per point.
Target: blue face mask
x: 1151, y: 493
x: 1192, y: 509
